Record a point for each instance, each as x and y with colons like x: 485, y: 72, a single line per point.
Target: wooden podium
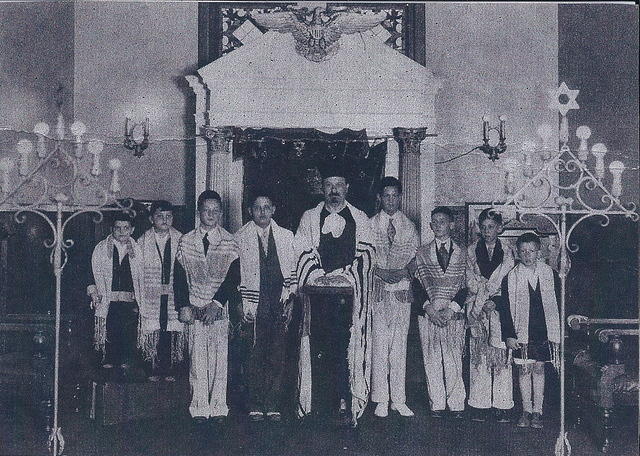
x: 327, y: 320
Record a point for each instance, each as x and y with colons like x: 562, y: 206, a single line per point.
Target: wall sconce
x: 133, y: 144
x: 493, y: 152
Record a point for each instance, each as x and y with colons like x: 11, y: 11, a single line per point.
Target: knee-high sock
x: 525, y: 389
x: 538, y: 391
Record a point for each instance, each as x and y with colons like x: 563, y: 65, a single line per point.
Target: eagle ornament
x: 317, y: 32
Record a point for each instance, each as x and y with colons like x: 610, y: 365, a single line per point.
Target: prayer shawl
x: 153, y: 289
x: 394, y: 256
x: 486, y: 335
x: 247, y: 239
x: 442, y: 288
x: 205, y: 274
x: 102, y: 266
x: 518, y: 286
x: 360, y: 276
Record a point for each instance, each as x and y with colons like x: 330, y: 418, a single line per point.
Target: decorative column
x: 392, y: 161
x: 200, y: 171
x: 409, y: 140
x: 219, y: 165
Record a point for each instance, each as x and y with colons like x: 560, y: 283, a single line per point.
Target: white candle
x: 41, y: 129
x: 95, y: 148
x: 24, y: 148
x: 115, y: 165
x: 599, y: 150
x: 616, y: 168
x: 6, y: 164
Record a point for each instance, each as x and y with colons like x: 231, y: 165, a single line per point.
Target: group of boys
x: 167, y: 290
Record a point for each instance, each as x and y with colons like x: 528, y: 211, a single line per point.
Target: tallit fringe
x: 526, y: 367
x: 496, y: 358
x: 100, y: 335
x: 178, y: 346
x: 148, y: 345
x: 453, y: 337
x: 554, y: 351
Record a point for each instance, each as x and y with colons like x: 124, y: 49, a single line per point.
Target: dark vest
x: 166, y: 262
x: 270, y: 281
x: 121, y: 280
x: 485, y: 264
x: 336, y: 253
x: 537, y: 322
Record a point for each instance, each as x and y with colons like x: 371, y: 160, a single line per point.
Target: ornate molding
x: 409, y: 139
x: 218, y: 139
x: 317, y: 33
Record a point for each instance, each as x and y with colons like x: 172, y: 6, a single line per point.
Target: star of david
x: 555, y: 102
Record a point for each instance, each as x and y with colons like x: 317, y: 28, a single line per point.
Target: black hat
x: 334, y: 168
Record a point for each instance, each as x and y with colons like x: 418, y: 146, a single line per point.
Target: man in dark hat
x: 335, y: 249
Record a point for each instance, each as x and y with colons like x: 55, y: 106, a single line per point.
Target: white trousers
x: 208, y: 348
x: 442, y: 353
x: 390, y: 330
x: 490, y: 387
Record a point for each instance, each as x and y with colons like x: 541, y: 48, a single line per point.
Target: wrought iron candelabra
x: 63, y: 177
x: 565, y: 186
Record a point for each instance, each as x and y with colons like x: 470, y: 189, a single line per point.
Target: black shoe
x: 219, y: 419
x: 478, y: 416
x: 199, y: 420
x: 457, y: 415
x: 436, y: 414
x: 502, y: 416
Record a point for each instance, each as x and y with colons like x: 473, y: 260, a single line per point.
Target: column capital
x: 409, y: 139
x: 218, y: 138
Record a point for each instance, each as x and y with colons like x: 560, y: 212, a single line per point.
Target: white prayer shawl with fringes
x: 360, y: 276
x: 205, y: 273
x: 395, y: 256
x: 102, y: 266
x: 482, y: 289
x: 442, y: 288
x: 247, y: 238
x: 153, y: 290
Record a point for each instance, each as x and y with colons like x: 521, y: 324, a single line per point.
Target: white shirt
x: 263, y: 234
x: 161, y: 240
x: 213, y: 237
x: 490, y: 249
x: 446, y: 242
x: 122, y: 249
x: 384, y: 217
x: 532, y: 275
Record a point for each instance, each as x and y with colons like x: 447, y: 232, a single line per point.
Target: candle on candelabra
x: 146, y: 127
x: 41, y: 129
x: 616, y: 168
x: 501, y: 130
x: 115, y: 165
x: 599, y: 150
x: 485, y: 128
x: 24, y: 148
x: 583, y: 132
x: 95, y: 148
x: 6, y: 164
x: 126, y: 127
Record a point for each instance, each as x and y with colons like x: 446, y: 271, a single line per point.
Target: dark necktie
x: 443, y: 257
x: 205, y: 242
x: 391, y: 232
